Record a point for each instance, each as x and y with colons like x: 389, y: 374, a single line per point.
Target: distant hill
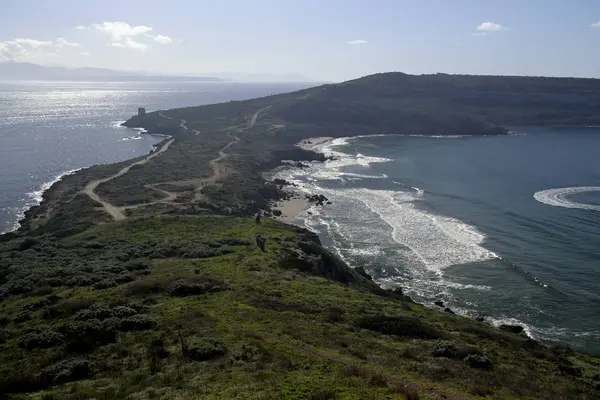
x: 440, y: 104
x: 28, y: 71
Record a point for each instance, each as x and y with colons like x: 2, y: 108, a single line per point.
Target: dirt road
x: 90, y: 188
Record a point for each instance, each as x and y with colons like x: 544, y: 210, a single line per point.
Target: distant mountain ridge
x: 28, y: 71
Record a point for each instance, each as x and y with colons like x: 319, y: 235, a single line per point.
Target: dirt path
x: 220, y: 172
x: 90, y: 188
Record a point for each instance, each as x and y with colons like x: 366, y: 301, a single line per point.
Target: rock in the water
x: 448, y: 310
x: 317, y: 198
x: 439, y: 303
x: 480, y: 319
x: 512, y: 328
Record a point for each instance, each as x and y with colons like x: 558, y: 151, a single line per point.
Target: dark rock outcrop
x: 512, y: 328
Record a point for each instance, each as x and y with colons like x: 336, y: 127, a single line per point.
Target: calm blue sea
x: 506, y: 227
x: 50, y: 128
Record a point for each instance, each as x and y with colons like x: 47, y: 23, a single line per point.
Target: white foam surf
x: 437, y: 242
x: 559, y: 197
x: 131, y: 138
x: 34, y: 198
x: 38, y: 195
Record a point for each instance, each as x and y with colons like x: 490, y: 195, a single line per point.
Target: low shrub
x: 105, y: 284
x: 138, y: 322
x: 3, y: 320
x: 95, y: 312
x: 83, y: 336
x: 157, y: 349
x: 42, y: 340
x: 66, y: 308
x: 478, y: 361
x: 444, y: 348
x: 206, y: 349
x: 324, y: 394
x: 399, y: 325
x: 146, y: 287
x: 19, y: 381
x: 182, y: 287
x: 37, y: 304
x: 463, y: 352
x: 137, y: 265
x: 335, y: 314
x: 67, y: 371
x: 22, y: 317
x: 248, y: 353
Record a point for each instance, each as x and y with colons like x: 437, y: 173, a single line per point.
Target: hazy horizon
x: 322, y: 41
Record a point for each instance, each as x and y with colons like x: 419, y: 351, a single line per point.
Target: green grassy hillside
x: 187, y: 307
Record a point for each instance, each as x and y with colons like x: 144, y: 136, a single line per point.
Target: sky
x: 325, y: 40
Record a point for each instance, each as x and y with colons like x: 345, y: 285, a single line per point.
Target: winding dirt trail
x: 115, y: 212
x: 220, y: 172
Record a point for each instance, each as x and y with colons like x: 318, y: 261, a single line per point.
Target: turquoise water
x: 455, y: 219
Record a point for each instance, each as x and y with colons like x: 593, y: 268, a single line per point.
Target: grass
x: 276, y: 331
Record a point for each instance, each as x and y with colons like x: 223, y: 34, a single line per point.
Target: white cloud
x: 595, y: 25
x: 85, y: 53
x: 81, y: 28
x: 123, y: 35
x: 25, y: 49
x: 490, y: 27
x: 62, y: 42
x: 32, y: 43
x: 162, y: 39
x: 359, y: 41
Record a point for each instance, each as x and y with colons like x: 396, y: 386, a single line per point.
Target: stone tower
x: 141, y: 111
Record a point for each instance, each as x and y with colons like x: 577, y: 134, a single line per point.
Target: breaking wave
x: 559, y: 197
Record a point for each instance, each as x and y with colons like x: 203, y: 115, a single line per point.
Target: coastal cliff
x: 143, y: 279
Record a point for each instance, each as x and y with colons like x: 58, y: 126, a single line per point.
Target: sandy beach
x: 292, y: 207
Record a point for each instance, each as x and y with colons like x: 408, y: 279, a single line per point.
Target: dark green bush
x: 67, y: 371
x: 248, y: 353
x: 206, y: 349
x: 83, y: 336
x: 37, y: 304
x: 444, y: 349
x: 478, y: 361
x: 22, y: 317
x: 123, y: 312
x: 399, y: 325
x: 124, y: 277
x: 146, y: 287
x: 3, y: 320
x: 157, y: 349
x: 42, y: 340
x: 335, y: 314
x: 138, y: 322
x: 19, y: 381
x: 324, y: 394
x: 182, y: 287
x: 66, y: 308
x: 137, y: 265
x: 95, y: 312
x: 105, y: 284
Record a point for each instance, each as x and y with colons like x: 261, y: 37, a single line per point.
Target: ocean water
x: 50, y: 128
x: 506, y: 227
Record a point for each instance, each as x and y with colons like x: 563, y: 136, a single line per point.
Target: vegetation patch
x: 399, y: 325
